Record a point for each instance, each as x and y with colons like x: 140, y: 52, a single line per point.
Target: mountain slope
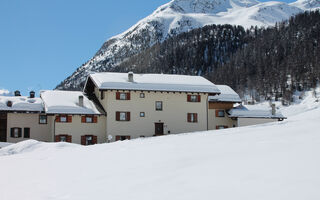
x: 278, y: 161
x: 176, y: 17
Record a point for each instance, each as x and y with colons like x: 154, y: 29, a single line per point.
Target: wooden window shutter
x: 195, y: 115
x: 217, y: 127
x: 57, y: 118
x: 225, y: 126
x: 199, y: 98
x: 128, y: 137
x: 217, y: 113
x: 128, y: 96
x: 20, y: 132
x: 12, y: 132
x: 83, y: 140
x: 102, y: 95
x: 94, y: 139
x: 128, y: 116
x: 118, y: 137
x: 117, y: 116
x: 69, y: 138
x: 83, y: 119
x: 57, y: 138
x: 189, y: 117
x: 117, y: 95
x: 69, y: 119
x: 189, y: 98
x: 95, y: 119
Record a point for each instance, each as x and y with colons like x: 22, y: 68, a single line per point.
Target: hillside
x: 276, y: 161
x: 180, y: 16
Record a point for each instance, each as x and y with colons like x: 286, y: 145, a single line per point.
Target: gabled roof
x: 21, y: 104
x: 67, y: 102
x: 153, y: 82
x: 248, y: 112
x: 227, y: 95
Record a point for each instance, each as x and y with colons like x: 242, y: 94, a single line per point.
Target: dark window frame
x: 46, y: 118
x: 12, y: 132
x: 156, y: 104
x: 24, y: 132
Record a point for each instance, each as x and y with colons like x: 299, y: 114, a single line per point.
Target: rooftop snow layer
x: 227, y: 95
x: 21, y: 104
x: 251, y: 112
x: 67, y: 102
x: 154, y: 82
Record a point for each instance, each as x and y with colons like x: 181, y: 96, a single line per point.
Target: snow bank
x: 275, y: 161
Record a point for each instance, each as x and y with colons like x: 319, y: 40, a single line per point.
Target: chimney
x: 9, y: 103
x: 17, y: 93
x: 32, y: 94
x: 81, y: 101
x: 273, y: 111
x: 130, y: 76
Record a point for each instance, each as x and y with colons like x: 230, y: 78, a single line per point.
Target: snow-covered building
x: 119, y: 106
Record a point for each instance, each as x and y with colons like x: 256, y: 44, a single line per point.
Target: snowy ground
x: 276, y: 161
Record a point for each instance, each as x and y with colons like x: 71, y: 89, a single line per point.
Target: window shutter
x: 128, y: 116
x: 189, y: 98
x: 199, y: 98
x: 83, y: 140
x: 128, y: 96
x: 69, y: 119
x: 83, y: 119
x: 102, y: 95
x: 94, y: 139
x: 117, y: 116
x: 118, y: 137
x: 69, y: 138
x: 95, y: 119
x: 195, y: 115
x: 12, y: 132
x: 217, y: 113
x: 225, y: 126
x: 128, y: 137
x: 189, y: 117
x: 117, y: 95
x: 217, y: 127
x: 57, y: 138
x: 20, y: 132
x: 57, y: 118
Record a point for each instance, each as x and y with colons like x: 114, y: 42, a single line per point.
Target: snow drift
x: 275, y: 161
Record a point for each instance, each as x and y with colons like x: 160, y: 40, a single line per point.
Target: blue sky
x: 44, y: 41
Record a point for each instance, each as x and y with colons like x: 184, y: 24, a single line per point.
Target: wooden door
x: 158, y: 128
x: 3, y: 127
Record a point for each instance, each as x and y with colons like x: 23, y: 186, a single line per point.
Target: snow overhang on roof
x: 20, y: 104
x: 227, y: 95
x: 153, y: 82
x: 67, y: 102
x: 243, y: 112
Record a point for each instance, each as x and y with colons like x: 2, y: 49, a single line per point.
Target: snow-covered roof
x: 227, y: 95
x: 251, y: 112
x: 21, y: 104
x: 67, y: 102
x: 153, y: 82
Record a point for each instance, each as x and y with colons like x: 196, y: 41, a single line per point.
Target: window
x: 142, y: 114
x: 43, y: 119
x: 123, y: 95
x: 192, y: 117
x: 194, y: 98
x: 89, y: 139
x: 64, y: 118
x: 221, y: 127
x: 63, y: 138
x: 142, y: 95
x: 122, y: 116
x: 89, y: 119
x: 16, y: 132
x: 219, y: 113
x: 158, y: 105
x: 122, y: 137
x: 26, y: 133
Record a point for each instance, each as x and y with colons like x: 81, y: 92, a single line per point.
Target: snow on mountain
x: 176, y: 17
x: 4, y: 92
x: 271, y: 161
x: 307, y: 4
